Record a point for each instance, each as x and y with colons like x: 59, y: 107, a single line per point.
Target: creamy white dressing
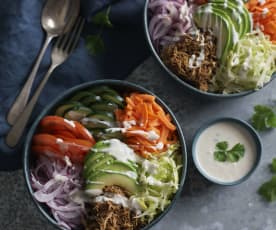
x: 67, y: 161
x: 129, y: 174
x: 118, y: 199
x: 94, y: 192
x: 261, y: 2
x: 120, y: 151
x: 129, y: 124
x: 87, y: 120
x: 150, y: 135
x: 71, y: 123
x: 159, y: 146
x: 191, y: 61
x: 264, y: 12
x: 149, y: 167
x: 232, y: 133
x: 59, y: 140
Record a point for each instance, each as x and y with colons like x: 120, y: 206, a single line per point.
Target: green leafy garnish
x: 268, y: 190
x: 102, y: 18
x: 273, y: 166
x: 94, y: 44
x: 263, y: 118
x: 232, y: 155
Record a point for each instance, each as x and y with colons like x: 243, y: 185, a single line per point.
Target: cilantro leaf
x: 220, y: 156
x: 263, y: 118
x: 94, y: 44
x: 273, y: 166
x: 268, y: 190
x: 102, y: 18
x: 223, y: 145
x: 233, y: 155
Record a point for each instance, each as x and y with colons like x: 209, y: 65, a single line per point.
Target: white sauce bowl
x: 233, y: 131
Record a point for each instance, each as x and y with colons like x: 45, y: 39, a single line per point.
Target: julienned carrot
x: 153, y: 130
x: 264, y: 16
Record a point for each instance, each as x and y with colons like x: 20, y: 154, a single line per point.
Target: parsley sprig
x: 268, y: 189
x: 264, y: 117
x: 222, y: 153
x: 94, y: 42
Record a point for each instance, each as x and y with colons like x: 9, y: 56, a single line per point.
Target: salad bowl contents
x: 105, y: 155
x: 215, y: 47
x: 226, y: 151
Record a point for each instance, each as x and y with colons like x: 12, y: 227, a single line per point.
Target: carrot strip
x: 153, y: 131
x: 264, y: 16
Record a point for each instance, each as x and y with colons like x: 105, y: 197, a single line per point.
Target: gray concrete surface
x: 202, y: 206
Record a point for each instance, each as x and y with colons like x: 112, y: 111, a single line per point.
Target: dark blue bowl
x: 251, y: 131
x: 121, y: 86
x: 188, y: 86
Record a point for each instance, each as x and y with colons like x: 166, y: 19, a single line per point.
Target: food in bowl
x: 217, y: 46
x: 106, y: 159
x: 226, y: 151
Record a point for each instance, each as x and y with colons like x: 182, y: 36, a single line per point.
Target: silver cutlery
x: 58, y: 17
x: 61, y: 51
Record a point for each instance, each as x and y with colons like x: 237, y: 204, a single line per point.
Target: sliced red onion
x: 169, y: 18
x: 53, y: 181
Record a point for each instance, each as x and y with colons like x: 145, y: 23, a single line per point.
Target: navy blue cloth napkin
x: 21, y: 38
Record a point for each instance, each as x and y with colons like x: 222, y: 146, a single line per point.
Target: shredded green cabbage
x: 160, y: 180
x: 248, y: 66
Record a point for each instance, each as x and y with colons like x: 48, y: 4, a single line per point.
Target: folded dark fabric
x: 21, y: 37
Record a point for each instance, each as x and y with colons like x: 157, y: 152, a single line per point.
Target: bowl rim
x: 182, y: 82
x: 111, y: 83
x: 246, y: 126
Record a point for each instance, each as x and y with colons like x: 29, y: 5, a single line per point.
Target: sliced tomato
x: 50, y: 145
x: 59, y: 125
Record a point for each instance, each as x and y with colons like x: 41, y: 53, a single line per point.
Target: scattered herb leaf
x: 232, y: 155
x: 268, y: 190
x: 273, y: 166
x: 94, y: 44
x: 102, y: 18
x: 263, y: 118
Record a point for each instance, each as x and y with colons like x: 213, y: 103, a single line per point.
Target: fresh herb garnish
x: 102, y: 18
x: 268, y: 189
x: 273, y: 166
x: 232, y: 155
x: 95, y: 43
x: 263, y: 118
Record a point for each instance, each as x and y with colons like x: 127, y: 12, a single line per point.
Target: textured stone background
x: 203, y: 205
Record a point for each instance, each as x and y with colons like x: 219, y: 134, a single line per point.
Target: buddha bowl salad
x: 220, y: 46
x: 105, y: 160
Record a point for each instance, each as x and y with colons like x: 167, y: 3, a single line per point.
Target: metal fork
x: 61, y: 51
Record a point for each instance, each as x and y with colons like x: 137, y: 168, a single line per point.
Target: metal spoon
x: 58, y: 16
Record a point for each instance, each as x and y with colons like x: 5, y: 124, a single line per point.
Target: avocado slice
x: 95, y: 167
x: 233, y: 13
x: 206, y: 17
x: 239, y: 8
x: 92, y: 157
x: 110, y: 166
x: 106, y: 179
